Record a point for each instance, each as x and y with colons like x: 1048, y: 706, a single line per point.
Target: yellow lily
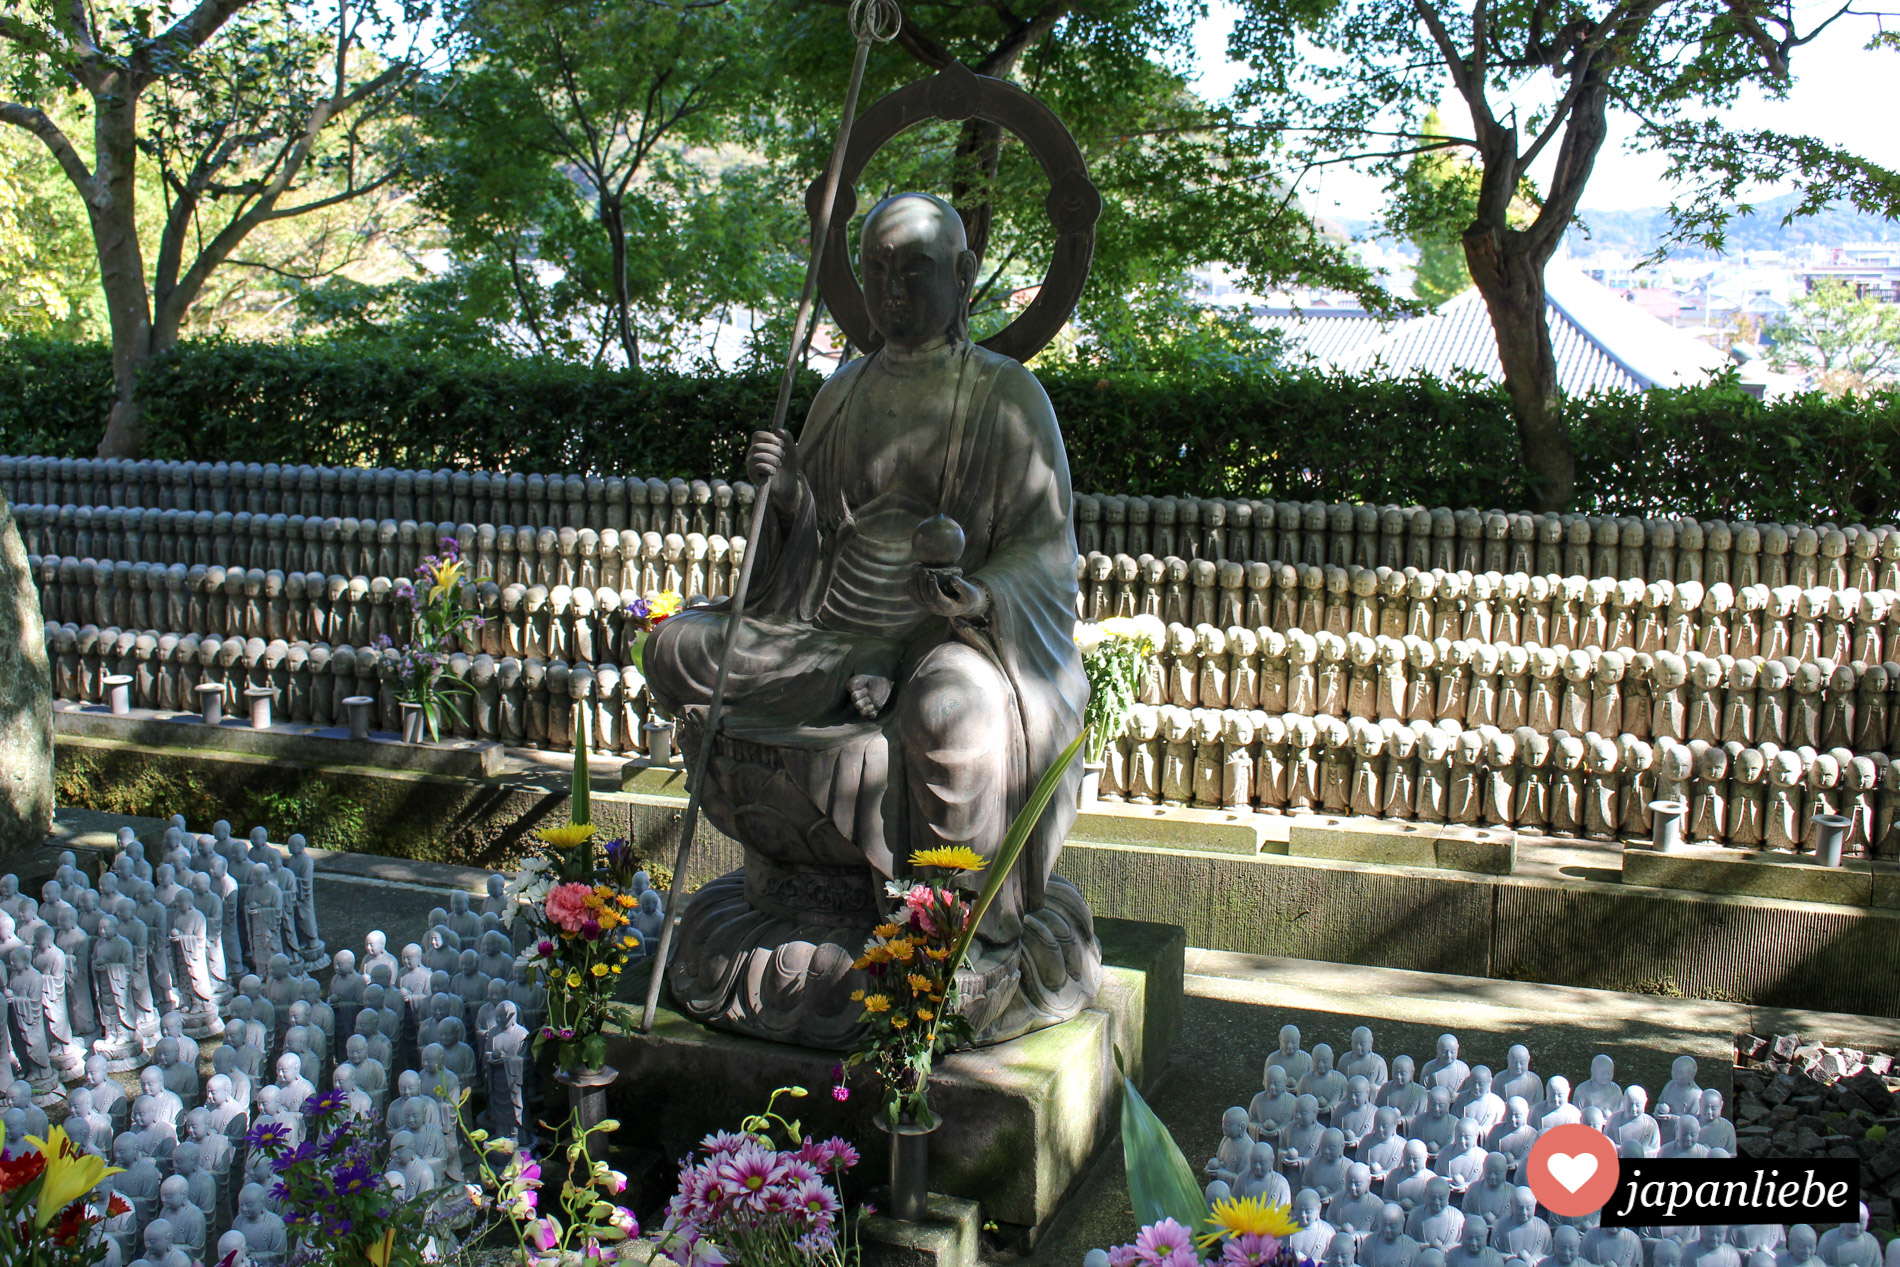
x: 447, y: 575
x: 70, y: 1174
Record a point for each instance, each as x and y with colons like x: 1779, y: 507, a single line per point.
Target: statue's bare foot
x: 870, y: 693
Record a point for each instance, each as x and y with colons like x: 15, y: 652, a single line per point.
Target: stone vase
x: 413, y: 729
x: 910, y: 1170
x: 1832, y: 832
x: 659, y: 736
x: 1090, y: 793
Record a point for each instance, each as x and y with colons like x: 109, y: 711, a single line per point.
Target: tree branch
x: 36, y: 122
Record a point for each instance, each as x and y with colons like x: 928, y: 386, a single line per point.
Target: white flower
x: 1089, y: 636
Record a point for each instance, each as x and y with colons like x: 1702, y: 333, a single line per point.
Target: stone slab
x: 460, y: 758
x: 950, y: 1237
x: 1886, y: 884
x: 1486, y: 850
x: 1713, y: 869
x: 1171, y: 827
x: 1022, y: 1120
x: 1348, y: 839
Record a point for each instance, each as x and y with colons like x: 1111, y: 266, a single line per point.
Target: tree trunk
x: 1511, y: 279
x: 115, y: 234
x: 615, y: 219
x: 979, y: 152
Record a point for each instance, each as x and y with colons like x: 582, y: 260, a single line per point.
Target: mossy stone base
x: 950, y: 1237
x: 1396, y: 843
x: 1021, y: 1121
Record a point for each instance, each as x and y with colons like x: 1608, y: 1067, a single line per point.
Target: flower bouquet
x: 581, y: 915
x: 335, y: 1203
x: 440, y: 621
x: 747, y: 1201
x: 1116, y: 658
x: 45, y: 1219
x: 646, y: 614
x: 1245, y: 1232
x: 912, y: 1005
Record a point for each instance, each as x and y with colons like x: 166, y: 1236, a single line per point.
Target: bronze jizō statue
x: 877, y: 706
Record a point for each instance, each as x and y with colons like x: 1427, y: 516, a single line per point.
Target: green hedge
x: 1710, y: 451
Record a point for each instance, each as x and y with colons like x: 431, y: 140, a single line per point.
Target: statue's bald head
x: 917, y: 269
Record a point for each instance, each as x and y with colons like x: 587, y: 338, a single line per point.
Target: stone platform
x: 1022, y: 1120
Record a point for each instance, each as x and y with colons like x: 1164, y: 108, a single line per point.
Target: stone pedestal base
x: 949, y: 1237
x: 1022, y: 1120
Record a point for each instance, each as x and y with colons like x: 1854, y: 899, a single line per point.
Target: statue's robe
x: 893, y: 439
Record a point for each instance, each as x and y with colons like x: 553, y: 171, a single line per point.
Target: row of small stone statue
x: 520, y: 702
x: 575, y: 501
x: 690, y: 563
x: 1405, y: 1166
x: 94, y: 968
x: 1589, y: 785
x: 587, y: 605
x: 1820, y: 703
x: 1317, y: 533
x: 562, y: 623
x: 408, y: 1030
x: 1505, y: 610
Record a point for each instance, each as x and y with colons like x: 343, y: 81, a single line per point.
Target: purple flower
x: 451, y: 547
x: 545, y: 949
x: 354, y: 1178
x: 841, y: 1093
x: 324, y: 1103
x: 268, y: 1136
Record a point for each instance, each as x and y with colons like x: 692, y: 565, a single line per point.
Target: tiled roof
x: 1600, y: 340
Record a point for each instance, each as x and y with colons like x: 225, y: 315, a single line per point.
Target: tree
x: 1183, y: 185
x: 563, y: 136
x: 1441, y: 189
x: 1538, y: 80
x: 249, y: 112
x: 1846, y: 340
x: 48, y: 277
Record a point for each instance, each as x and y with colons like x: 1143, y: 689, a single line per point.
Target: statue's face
x: 1362, y: 1041
x: 915, y: 269
x: 1391, y: 1223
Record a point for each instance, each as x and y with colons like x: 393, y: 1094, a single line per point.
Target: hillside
x: 1638, y: 232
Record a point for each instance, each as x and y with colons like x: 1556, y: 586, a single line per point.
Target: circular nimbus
x: 954, y: 94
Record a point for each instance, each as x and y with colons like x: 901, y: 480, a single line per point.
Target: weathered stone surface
x: 950, y: 1237
x: 26, y: 700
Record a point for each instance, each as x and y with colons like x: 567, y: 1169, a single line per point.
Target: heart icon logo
x: 1572, y: 1170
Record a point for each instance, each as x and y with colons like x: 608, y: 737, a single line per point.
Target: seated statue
x: 904, y: 673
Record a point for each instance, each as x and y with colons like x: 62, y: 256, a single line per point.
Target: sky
x: 1842, y: 94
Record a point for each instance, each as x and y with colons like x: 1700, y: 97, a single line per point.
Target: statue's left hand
x: 949, y: 596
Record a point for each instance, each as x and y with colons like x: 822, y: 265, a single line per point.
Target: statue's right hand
x: 774, y: 456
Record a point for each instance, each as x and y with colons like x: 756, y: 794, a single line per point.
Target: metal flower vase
x: 587, y: 1104
x: 910, y: 1170
x: 412, y: 727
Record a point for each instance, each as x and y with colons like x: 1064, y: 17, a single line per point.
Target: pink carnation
x: 567, y: 906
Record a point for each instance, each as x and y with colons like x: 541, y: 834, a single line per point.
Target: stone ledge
x: 462, y: 758
x: 1714, y: 869
x: 1443, y: 846
x: 1023, y: 1120
x: 949, y: 1237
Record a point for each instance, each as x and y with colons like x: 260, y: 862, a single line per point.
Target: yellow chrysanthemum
x: 939, y: 953
x: 573, y: 980
x: 919, y: 982
x: 857, y: 996
x: 565, y: 837
x: 599, y: 970
x: 876, y: 1003
x: 664, y: 603
x: 900, y: 1021
x: 1248, y: 1216
x: 950, y: 858
x: 902, y: 950
x: 887, y: 930
x: 925, y: 1014
x: 627, y: 900
x: 619, y: 968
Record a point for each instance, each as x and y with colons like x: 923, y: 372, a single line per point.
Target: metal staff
x: 872, y: 21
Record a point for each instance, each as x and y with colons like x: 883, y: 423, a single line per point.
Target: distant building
x: 1872, y: 270
x: 1601, y: 341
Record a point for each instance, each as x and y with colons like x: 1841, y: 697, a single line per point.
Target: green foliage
x: 1161, y: 1184
x: 1848, y: 340
x: 1710, y: 451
